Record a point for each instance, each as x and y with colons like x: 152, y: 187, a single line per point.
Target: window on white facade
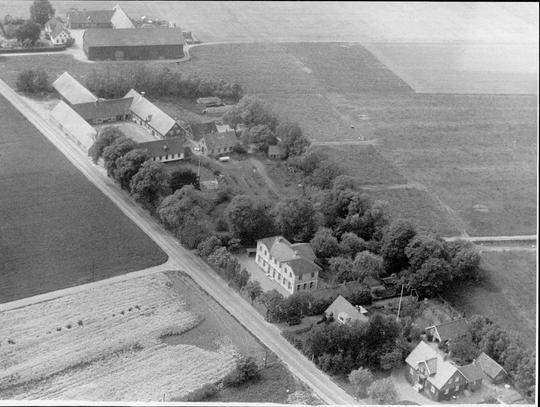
x: 298, y: 287
x: 432, y: 389
x: 446, y: 391
x: 457, y: 387
x: 411, y: 370
x: 311, y: 285
x: 312, y: 275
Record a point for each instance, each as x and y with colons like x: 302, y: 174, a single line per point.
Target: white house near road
x: 290, y: 265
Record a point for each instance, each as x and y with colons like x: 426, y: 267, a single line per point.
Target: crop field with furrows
x: 105, y: 344
x: 507, y: 294
x: 57, y: 229
x: 477, y: 153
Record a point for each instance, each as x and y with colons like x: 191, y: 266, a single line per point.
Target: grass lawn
x: 507, y: 295
x: 57, y: 230
x: 418, y: 207
x: 364, y: 163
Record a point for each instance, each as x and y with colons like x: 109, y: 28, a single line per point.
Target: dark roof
x: 341, y: 305
x: 291, y: 254
x: 174, y: 145
x: 220, y: 140
x: 146, y: 110
x: 90, y: 16
x: 452, y: 329
x: 198, y: 130
x: 102, y: 108
x: 58, y: 28
x: 113, y: 37
x: 489, y: 366
x: 472, y: 372
x: 302, y: 266
x: 53, y: 22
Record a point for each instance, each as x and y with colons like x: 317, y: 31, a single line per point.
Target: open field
x: 364, y: 163
x: 105, y: 344
x: 477, y: 153
x: 477, y: 44
x: 507, y: 295
x: 57, y: 230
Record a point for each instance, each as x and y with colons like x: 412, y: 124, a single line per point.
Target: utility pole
x: 399, y: 306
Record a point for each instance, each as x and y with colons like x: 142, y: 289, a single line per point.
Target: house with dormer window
x: 292, y: 265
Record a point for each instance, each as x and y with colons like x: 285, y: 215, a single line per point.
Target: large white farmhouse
x: 291, y: 265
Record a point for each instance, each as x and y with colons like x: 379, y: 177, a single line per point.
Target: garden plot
x: 104, y: 344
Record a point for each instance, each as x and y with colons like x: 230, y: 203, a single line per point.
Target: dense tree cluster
x: 315, y: 167
x: 41, y: 11
x: 33, y: 81
x: 10, y: 25
x: 115, y: 83
x: 28, y: 33
x: 249, y: 218
x: 246, y: 370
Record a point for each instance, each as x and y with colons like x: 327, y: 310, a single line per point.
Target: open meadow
x: 507, y: 295
x: 143, y: 339
x: 57, y: 230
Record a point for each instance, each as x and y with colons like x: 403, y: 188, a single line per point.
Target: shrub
x: 383, y: 391
x: 246, y: 370
x: 33, y: 81
x: 202, y: 393
x: 361, y: 378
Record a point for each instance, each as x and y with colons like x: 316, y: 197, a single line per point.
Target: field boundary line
x: 169, y: 265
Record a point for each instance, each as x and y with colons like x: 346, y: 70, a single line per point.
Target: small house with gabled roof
x: 344, y: 312
x: 474, y: 375
x: 171, y: 149
x: 492, y: 369
x: 428, y: 371
x: 216, y: 144
x: 290, y: 265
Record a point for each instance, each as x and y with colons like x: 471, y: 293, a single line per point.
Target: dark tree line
x: 115, y: 83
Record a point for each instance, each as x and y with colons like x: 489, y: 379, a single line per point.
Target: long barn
x: 134, y: 43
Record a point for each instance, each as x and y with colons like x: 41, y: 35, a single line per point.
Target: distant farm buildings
x: 216, y: 144
x: 133, y: 43
x: 89, y: 19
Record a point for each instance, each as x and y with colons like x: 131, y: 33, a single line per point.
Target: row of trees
x: 264, y: 129
x: 27, y: 32
x: 116, y: 82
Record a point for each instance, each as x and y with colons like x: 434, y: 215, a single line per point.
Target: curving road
x: 201, y: 273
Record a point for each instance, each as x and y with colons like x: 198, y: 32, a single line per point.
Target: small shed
x: 211, y: 101
x: 275, y: 152
x: 474, y: 375
x: 492, y: 369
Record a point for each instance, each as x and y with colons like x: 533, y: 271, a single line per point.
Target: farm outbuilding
x: 151, y: 117
x: 120, y: 19
x: 172, y: 149
x: 89, y: 19
x: 492, y: 369
x: 133, y: 43
x: 344, y: 312
x: 71, y: 91
x: 104, y: 110
x: 74, y: 126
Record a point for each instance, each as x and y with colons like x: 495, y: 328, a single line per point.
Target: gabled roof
x: 472, y: 372
x: 489, y: 366
x: 74, y: 124
x: 53, y: 22
x: 57, y: 30
x: 304, y: 250
x: 198, y: 130
x: 341, y: 305
x: 425, y: 354
x: 103, y: 108
x: 120, y: 19
x: 156, y: 148
x: 119, y: 37
x: 146, y: 110
x: 451, y: 329
x: 90, y: 16
x: 215, y: 141
x: 71, y: 90
x: 282, y: 250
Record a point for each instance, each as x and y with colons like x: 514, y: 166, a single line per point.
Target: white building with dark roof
x: 171, y: 149
x: 290, y: 265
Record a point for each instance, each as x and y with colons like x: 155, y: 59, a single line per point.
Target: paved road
x: 203, y: 275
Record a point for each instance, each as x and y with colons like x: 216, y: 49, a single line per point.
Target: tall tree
x: 422, y: 248
x: 351, y: 244
x: 253, y: 290
x: 295, y: 219
x: 150, y: 184
x: 361, y: 378
x: 182, y: 177
x: 325, y: 244
x: 106, y: 136
x: 292, y: 140
x: 383, y: 391
x: 117, y: 149
x: 395, y: 239
x: 41, y: 11
x: 367, y: 264
x: 128, y: 165
x: 341, y: 269
x: 28, y: 33
x: 249, y: 219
